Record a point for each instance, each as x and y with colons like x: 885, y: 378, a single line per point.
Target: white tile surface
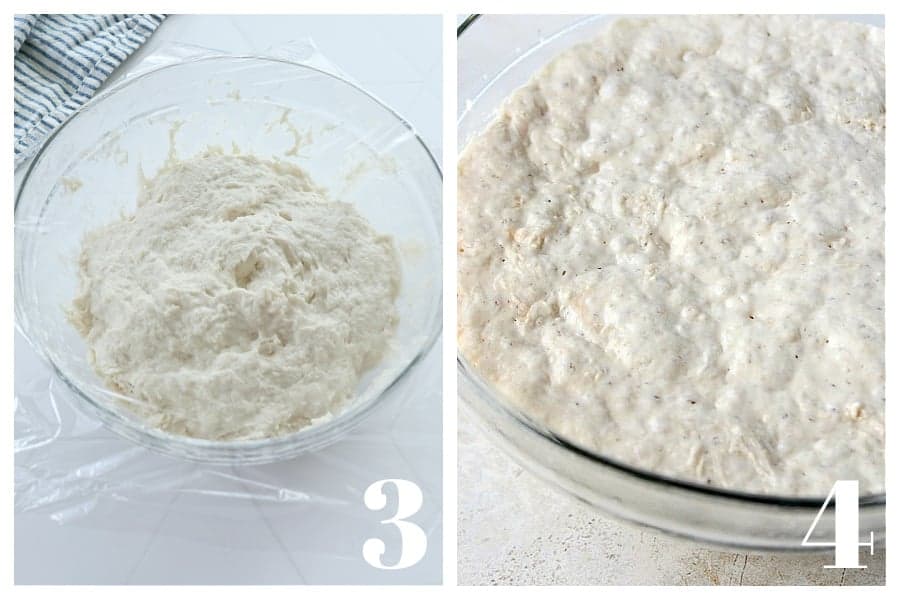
x: 125, y: 535
x: 396, y: 58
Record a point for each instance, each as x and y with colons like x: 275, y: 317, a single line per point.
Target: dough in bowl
x: 671, y: 250
x: 238, y: 301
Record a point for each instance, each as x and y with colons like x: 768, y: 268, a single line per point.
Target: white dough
x: 237, y: 301
x: 671, y: 250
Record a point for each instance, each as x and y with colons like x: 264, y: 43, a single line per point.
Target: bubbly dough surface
x: 671, y: 250
x: 238, y: 301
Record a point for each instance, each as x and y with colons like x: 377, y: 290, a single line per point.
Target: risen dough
x: 671, y: 250
x: 237, y: 301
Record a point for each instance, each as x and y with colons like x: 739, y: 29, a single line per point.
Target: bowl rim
x: 485, y: 391
x: 471, y: 18
x: 173, y: 444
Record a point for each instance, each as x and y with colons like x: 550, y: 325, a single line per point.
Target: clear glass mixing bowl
x: 496, y: 55
x: 88, y: 173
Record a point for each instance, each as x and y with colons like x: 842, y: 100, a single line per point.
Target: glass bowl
x: 496, y: 55
x: 89, y: 171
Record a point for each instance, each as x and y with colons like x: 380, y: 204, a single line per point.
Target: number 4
x: 846, y: 526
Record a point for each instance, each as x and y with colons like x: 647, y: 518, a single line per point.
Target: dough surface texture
x: 671, y: 250
x: 238, y: 301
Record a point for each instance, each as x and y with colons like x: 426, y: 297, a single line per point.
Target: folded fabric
x: 60, y: 61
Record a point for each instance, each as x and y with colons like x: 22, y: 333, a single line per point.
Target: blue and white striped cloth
x: 60, y: 61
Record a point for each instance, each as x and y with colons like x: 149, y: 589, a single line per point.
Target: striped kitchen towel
x: 60, y: 61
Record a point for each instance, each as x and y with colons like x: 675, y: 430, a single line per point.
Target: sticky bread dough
x: 671, y: 250
x: 238, y: 301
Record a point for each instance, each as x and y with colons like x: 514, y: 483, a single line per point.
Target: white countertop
x: 515, y: 529
x: 185, y: 533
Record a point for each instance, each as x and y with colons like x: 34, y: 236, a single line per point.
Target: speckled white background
x: 515, y: 529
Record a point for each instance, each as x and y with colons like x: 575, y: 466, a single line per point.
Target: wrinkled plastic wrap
x: 72, y: 471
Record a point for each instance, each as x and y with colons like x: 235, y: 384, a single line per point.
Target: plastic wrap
x: 74, y: 471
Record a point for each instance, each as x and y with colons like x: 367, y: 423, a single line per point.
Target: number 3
x: 413, y: 541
